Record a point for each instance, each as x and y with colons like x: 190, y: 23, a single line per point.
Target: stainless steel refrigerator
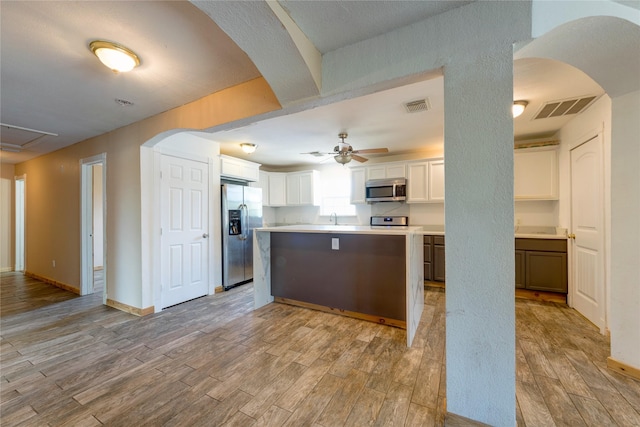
x: 241, y: 213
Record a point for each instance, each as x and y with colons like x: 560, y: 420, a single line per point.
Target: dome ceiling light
x: 248, y: 148
x: 116, y: 57
x: 518, y: 108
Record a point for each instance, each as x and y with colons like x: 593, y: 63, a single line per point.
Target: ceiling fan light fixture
x: 116, y: 57
x: 518, y: 108
x: 248, y: 148
x: 343, y: 159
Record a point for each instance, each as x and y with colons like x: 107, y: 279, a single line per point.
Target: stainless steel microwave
x: 386, y: 190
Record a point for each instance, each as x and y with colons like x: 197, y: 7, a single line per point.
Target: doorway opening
x: 93, y: 225
x: 20, y: 206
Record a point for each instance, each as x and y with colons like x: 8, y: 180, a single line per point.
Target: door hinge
x: 161, y: 231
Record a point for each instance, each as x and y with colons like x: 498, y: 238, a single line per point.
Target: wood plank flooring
x: 70, y: 361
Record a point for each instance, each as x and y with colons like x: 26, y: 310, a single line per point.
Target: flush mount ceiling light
x: 518, y: 108
x: 116, y: 57
x: 248, y: 148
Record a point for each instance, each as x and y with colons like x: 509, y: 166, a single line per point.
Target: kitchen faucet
x: 335, y: 218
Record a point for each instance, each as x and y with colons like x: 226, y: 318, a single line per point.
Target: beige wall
x: 7, y: 209
x: 53, y: 190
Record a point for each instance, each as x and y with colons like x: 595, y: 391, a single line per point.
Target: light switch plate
x: 335, y: 243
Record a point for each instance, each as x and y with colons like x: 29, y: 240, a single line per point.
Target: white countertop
x: 346, y: 229
x: 524, y: 232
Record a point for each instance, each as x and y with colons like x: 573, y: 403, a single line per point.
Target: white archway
x: 601, y: 46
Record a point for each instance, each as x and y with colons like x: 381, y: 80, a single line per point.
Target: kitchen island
x: 360, y: 271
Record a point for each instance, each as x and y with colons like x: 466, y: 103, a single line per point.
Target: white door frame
x: 20, y: 223
x: 86, y: 222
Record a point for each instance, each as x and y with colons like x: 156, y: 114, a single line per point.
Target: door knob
x: 572, y: 236
x: 205, y: 235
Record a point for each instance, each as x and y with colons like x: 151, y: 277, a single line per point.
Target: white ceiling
x: 186, y: 56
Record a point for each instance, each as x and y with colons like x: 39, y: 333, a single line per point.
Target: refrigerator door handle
x: 244, y: 222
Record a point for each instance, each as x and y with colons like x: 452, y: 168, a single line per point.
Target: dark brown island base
x: 361, y: 274
x: 357, y: 271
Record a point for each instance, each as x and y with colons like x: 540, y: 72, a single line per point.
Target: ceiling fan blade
x: 317, y: 153
x: 372, y: 151
x: 358, y: 158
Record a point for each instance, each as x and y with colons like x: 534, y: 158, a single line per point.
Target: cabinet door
x: 428, y: 274
x: 293, y: 189
x: 358, y: 178
x: 377, y: 172
x: 536, y: 175
x: 264, y: 185
x: 396, y: 171
x: 436, y: 180
x: 546, y: 271
x: 417, y: 191
x: 520, y: 269
x: 438, y: 261
x: 306, y: 196
x: 277, y: 186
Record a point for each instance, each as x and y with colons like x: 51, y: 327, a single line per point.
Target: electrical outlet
x: 53, y: 262
x: 335, y: 243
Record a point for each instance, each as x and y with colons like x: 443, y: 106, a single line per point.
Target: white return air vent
x: 418, y: 105
x: 563, y: 108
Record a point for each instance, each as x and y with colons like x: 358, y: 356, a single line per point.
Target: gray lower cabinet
x: 520, y: 260
x: 541, y: 265
x: 427, y: 259
x: 434, y: 258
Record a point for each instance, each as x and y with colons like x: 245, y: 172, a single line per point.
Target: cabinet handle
x: 572, y: 236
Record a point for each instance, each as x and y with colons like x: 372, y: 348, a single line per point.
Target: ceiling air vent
x: 563, y: 108
x: 418, y: 105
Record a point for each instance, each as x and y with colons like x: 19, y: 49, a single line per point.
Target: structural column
x: 624, y: 319
x: 480, y: 269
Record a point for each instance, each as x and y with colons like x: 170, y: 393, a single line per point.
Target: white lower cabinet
x: 535, y: 174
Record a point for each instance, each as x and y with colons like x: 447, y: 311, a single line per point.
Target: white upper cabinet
x: 425, y: 181
x: 277, y: 189
x: 358, y: 179
x: 387, y: 170
x: 230, y: 167
x: 264, y: 185
x: 302, y: 188
x: 536, y: 174
x: 436, y: 180
x: 418, y: 182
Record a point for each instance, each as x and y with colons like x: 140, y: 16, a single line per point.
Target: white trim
x: 86, y: 222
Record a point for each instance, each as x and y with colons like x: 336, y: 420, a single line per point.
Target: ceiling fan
x: 344, y: 153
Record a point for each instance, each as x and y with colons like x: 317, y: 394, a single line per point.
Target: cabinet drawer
x: 438, y: 240
x: 427, y: 240
x: 552, y: 245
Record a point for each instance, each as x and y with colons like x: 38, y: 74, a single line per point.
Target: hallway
x: 68, y: 360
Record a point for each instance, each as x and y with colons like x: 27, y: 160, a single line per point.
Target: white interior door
x: 185, y: 229
x: 587, y: 208
x: 20, y: 222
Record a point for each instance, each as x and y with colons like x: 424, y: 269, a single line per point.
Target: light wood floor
x: 68, y: 360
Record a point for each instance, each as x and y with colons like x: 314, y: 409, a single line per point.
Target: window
x: 336, y: 193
